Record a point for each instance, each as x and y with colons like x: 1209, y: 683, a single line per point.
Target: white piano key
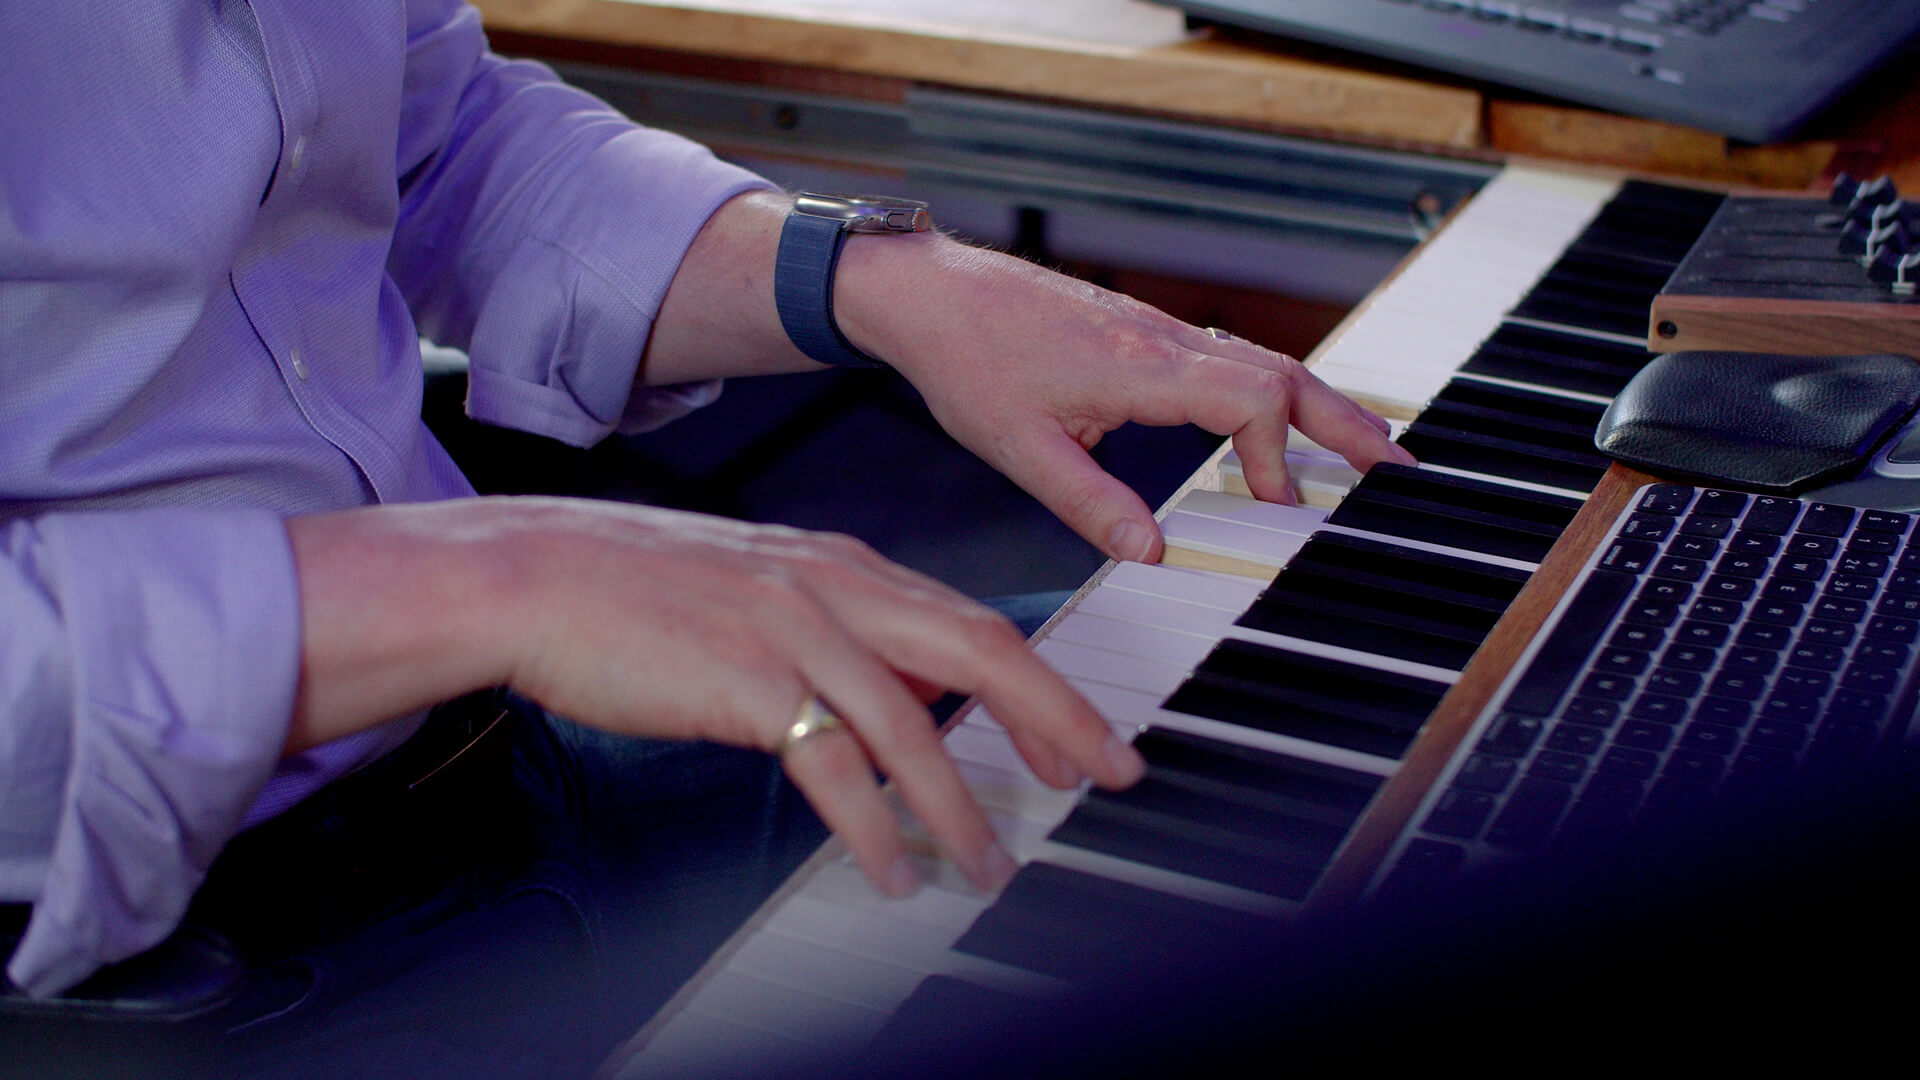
x: 1016, y: 794
x: 718, y: 1046
x: 1164, y: 612
x: 915, y: 948
x: 982, y: 741
x: 833, y: 973
x: 1390, y: 395
x: 1131, y: 639
x: 1321, y: 478
x: 1229, y: 539
x: 1020, y: 837
x: 1542, y: 194
x: 1084, y: 663
x: 789, y: 1012
x: 945, y: 902
x: 1428, y: 354
x: 1273, y: 517
x: 1194, y: 586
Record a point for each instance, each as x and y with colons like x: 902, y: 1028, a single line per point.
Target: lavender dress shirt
x: 224, y: 227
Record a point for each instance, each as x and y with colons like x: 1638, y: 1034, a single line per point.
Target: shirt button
x: 299, y: 154
x: 298, y: 360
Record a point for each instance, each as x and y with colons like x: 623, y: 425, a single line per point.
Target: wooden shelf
x: 1213, y: 76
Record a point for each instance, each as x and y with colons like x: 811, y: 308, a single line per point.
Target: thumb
x: 1107, y: 513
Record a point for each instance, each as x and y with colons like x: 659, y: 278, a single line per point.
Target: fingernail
x: 1065, y: 775
x: 1124, y: 760
x: 902, y: 879
x: 998, y: 866
x: 1128, y: 541
x: 1405, y: 455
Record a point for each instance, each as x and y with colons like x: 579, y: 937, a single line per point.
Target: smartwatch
x: 810, y: 250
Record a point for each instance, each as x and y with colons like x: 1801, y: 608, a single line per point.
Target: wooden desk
x: 867, y: 49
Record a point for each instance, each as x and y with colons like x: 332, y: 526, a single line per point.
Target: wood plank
x: 1200, y: 78
x: 1803, y: 327
x: 1653, y: 148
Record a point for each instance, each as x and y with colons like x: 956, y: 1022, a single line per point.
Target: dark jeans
x: 518, y: 910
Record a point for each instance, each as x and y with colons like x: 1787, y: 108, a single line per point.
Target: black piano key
x: 1558, y: 360
x: 1082, y: 928
x: 1458, y: 447
x: 943, y: 1002
x: 1323, y: 792
x: 1386, y: 599
x: 1256, y: 857
x: 1650, y: 221
x: 1225, y: 813
x: 1512, y: 433
x: 1308, y: 697
x: 1575, y: 418
x: 1607, y: 278
x: 1457, y: 511
x: 1594, y: 290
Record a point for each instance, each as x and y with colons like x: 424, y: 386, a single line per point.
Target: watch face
x: 867, y: 213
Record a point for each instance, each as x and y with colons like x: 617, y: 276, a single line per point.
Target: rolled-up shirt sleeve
x: 539, y: 230
x: 150, y: 661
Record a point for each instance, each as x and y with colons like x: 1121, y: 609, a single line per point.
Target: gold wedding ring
x: 813, y: 718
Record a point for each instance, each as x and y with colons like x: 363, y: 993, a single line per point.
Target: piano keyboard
x: 1273, y: 671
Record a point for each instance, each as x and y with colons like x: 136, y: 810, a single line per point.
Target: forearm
x: 401, y: 607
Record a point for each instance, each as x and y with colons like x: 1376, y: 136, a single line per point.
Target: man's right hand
x: 673, y: 625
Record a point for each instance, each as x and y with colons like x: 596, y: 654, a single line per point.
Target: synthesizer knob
x: 1875, y: 192
x: 1897, y: 210
x: 1869, y: 197
x: 1898, y: 270
x: 1853, y: 237
x: 1893, y: 236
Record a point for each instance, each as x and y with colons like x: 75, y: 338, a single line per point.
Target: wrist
x: 813, y: 239
x: 401, y: 607
x: 881, y: 289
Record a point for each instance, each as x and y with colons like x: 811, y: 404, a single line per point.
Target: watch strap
x: 803, y: 276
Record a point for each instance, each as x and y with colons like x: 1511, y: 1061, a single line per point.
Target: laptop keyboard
x: 1721, y: 646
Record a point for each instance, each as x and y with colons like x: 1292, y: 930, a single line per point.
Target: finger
x: 925, y: 691
x: 1332, y: 419
x: 1048, y: 765
x: 1262, y: 446
x: 832, y: 770
x: 1378, y: 422
x: 970, y: 648
x: 977, y: 651
x: 1308, y: 403
x: 1105, y: 512
x: 899, y: 737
